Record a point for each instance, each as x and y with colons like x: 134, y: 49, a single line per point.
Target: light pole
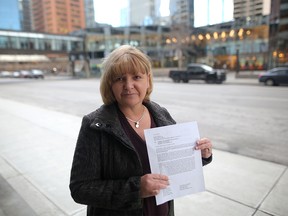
x: 86, y: 58
x: 237, y: 60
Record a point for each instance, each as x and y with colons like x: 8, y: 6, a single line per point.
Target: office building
x: 278, y: 43
x: 251, y: 8
x: 58, y: 17
x: 283, y: 21
x: 10, y: 15
x: 25, y: 11
x: 182, y: 12
x: 124, y: 17
x: 21, y: 50
x: 211, y: 12
x: 142, y: 14
x: 150, y: 12
x: 89, y: 13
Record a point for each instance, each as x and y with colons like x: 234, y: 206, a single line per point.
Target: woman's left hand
x: 205, y: 146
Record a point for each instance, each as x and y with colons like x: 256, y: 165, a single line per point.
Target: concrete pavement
x: 36, y: 150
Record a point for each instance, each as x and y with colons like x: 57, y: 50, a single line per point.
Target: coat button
x: 98, y: 124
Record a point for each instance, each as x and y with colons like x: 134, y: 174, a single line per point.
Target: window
x: 195, y: 69
x: 3, y: 42
x: 280, y: 72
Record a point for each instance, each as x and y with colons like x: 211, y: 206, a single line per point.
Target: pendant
x: 137, y: 125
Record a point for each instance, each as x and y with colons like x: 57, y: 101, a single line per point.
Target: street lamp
x: 237, y: 60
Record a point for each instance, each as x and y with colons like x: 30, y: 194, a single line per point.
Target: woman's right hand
x: 151, y: 184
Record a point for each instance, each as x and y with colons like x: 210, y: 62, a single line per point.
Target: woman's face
x: 130, y: 89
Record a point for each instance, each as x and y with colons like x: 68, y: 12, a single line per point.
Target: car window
x: 197, y: 69
x: 280, y: 72
x: 208, y: 68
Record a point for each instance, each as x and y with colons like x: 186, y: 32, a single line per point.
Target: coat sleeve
x: 87, y: 185
x: 206, y: 161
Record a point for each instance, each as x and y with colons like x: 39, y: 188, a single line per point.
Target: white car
x: 25, y: 74
x: 16, y: 74
x: 5, y: 74
x: 37, y: 74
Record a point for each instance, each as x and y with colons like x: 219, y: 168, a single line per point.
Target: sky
x: 104, y: 13
x: 109, y: 11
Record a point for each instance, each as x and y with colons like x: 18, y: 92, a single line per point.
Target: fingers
x: 159, y: 181
x: 159, y: 177
x: 205, y: 146
x: 156, y: 192
x: 151, y: 184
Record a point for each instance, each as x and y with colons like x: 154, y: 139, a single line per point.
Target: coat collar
x: 107, y: 115
x: 106, y: 119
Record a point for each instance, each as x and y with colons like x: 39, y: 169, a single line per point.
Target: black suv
x: 198, y: 72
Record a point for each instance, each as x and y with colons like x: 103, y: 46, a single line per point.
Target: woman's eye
x: 119, y: 79
x: 137, y: 77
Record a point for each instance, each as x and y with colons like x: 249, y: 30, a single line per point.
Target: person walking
x: 110, y: 170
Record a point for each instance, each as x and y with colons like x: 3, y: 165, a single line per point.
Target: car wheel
x: 270, y: 82
x: 219, y: 81
x: 210, y: 81
x: 176, y: 79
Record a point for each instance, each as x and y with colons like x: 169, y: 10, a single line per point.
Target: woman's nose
x: 129, y: 84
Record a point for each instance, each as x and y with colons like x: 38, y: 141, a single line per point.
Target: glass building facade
x: 235, y: 47
x: 34, y: 42
x: 27, y: 50
x: 10, y: 15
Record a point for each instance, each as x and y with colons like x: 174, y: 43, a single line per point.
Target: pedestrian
x: 110, y: 171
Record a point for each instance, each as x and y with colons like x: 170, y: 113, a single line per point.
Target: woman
x: 110, y: 171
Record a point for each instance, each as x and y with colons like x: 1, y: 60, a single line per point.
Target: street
x: 250, y: 120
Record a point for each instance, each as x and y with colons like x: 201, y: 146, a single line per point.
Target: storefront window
x: 3, y: 42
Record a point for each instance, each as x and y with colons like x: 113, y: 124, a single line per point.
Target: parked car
x: 5, y: 74
x: 25, y: 74
x: 198, y: 72
x: 16, y: 74
x: 37, y: 74
x: 275, y: 76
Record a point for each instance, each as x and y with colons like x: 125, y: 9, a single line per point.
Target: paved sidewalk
x: 36, y: 150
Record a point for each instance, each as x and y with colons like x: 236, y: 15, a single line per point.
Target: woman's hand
x: 151, y: 184
x: 205, y: 146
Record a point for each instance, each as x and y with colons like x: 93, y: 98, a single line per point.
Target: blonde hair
x: 124, y: 59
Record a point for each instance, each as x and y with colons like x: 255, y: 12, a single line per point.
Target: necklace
x: 137, y: 123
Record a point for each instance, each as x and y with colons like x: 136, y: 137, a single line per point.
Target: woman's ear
x: 148, y: 79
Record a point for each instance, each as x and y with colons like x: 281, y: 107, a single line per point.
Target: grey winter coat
x: 106, y: 169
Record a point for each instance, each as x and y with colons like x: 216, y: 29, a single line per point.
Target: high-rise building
x: 89, y: 13
x: 10, y: 15
x: 159, y: 12
x: 124, y: 17
x: 58, y: 17
x: 283, y: 22
x: 15, y: 15
x: 132, y: 12
x: 142, y: 14
x: 251, y: 8
x: 25, y: 11
x: 211, y: 12
x: 182, y: 12
x: 278, y: 30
